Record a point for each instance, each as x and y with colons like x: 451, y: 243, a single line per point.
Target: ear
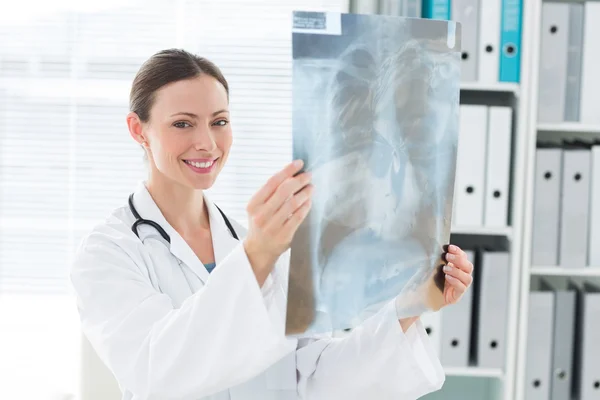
x: 136, y: 129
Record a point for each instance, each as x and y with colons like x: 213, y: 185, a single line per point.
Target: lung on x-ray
x: 375, y: 119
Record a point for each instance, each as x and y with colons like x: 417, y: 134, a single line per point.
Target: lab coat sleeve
x: 220, y: 336
x: 377, y: 360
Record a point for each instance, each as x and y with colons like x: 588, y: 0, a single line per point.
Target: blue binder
x: 436, y: 9
x: 510, y: 40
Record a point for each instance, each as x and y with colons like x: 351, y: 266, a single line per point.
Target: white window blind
x: 66, y: 158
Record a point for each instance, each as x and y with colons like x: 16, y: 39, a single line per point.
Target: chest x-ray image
x: 375, y: 119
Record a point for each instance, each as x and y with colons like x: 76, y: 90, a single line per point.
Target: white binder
x: 575, y: 200
x: 590, y: 82
x: 492, y: 313
x: 546, y: 206
x: 467, y: 13
x: 432, y: 322
x: 499, y: 141
x: 539, y: 345
x: 470, y: 166
x: 589, y: 384
x: 594, y: 245
x: 574, y: 58
x: 553, y: 62
x: 456, y: 325
x: 488, y: 56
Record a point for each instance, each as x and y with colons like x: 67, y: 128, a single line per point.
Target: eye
x: 182, y: 124
x: 221, y: 122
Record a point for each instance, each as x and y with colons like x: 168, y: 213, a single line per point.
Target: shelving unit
x: 496, y: 87
x: 533, y: 133
x: 475, y: 372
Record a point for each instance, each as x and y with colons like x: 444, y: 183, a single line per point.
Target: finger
x: 459, y: 287
x: 460, y: 260
x: 292, y: 224
x: 285, y: 192
x: 459, y: 274
x: 291, y: 206
x: 265, y: 192
x: 454, y: 249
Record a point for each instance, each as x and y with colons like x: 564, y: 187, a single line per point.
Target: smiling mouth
x: 203, y: 164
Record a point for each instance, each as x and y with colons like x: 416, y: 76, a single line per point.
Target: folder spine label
x: 510, y: 41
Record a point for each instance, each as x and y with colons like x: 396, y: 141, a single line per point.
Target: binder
x: 590, y: 78
x: 546, y: 206
x: 563, y: 345
x: 488, y: 55
x: 510, y: 40
x: 411, y: 8
x: 553, y: 62
x: 436, y: 9
x: 391, y: 7
x: 499, y: 141
x: 432, y: 322
x: 575, y: 198
x: 539, y: 345
x: 589, y: 383
x: 594, y: 244
x: 492, y: 311
x: 470, y: 166
x: 574, y: 59
x: 456, y: 325
x: 467, y: 13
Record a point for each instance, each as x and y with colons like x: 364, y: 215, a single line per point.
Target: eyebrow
x: 192, y: 115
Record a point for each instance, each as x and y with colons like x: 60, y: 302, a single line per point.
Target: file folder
x: 589, y: 383
x: 563, y: 344
x: 590, y: 78
x: 488, y: 55
x: 553, y: 62
x: 467, y: 13
x: 539, y: 345
x: 546, y: 206
x: 470, y: 166
x: 510, y: 40
x: 574, y: 59
x: 432, y: 322
x: 594, y: 245
x: 499, y: 141
x: 575, y: 199
x: 436, y: 9
x: 456, y: 325
x: 493, y: 309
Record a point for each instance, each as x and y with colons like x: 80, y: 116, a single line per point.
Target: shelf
x: 569, y: 127
x: 490, y: 87
x: 561, y: 271
x: 482, y: 230
x: 474, y: 372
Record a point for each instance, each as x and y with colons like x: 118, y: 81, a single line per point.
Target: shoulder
x: 108, y: 242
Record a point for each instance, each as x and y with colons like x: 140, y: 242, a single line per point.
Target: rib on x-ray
x: 375, y: 119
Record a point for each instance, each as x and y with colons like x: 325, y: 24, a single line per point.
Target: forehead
x: 201, y: 95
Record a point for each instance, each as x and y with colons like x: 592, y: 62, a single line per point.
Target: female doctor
x: 180, y: 302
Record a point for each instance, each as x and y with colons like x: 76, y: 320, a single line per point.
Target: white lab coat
x: 168, y: 329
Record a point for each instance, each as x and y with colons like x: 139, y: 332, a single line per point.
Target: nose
x: 204, y: 140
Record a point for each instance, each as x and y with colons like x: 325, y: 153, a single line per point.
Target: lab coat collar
x: 222, y: 240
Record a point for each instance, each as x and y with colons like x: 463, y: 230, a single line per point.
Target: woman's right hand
x: 275, y: 212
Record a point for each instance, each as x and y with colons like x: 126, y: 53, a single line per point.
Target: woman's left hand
x: 459, y: 274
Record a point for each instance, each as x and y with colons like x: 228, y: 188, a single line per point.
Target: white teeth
x: 200, y: 164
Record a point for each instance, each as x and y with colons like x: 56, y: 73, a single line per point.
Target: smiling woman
x: 191, y: 305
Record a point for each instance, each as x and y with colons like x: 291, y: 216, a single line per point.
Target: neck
x: 182, y: 207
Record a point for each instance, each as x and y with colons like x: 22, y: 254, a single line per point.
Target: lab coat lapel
x: 222, y: 240
x: 148, y: 209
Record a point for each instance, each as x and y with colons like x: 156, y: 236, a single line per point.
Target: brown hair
x: 164, y: 67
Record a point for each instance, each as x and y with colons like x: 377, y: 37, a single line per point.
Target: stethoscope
x: 140, y: 221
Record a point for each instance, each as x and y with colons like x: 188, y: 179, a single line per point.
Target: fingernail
x: 447, y: 268
x: 450, y: 257
x: 298, y: 163
x: 453, y: 248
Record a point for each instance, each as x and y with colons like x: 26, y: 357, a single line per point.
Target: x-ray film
x: 375, y: 119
